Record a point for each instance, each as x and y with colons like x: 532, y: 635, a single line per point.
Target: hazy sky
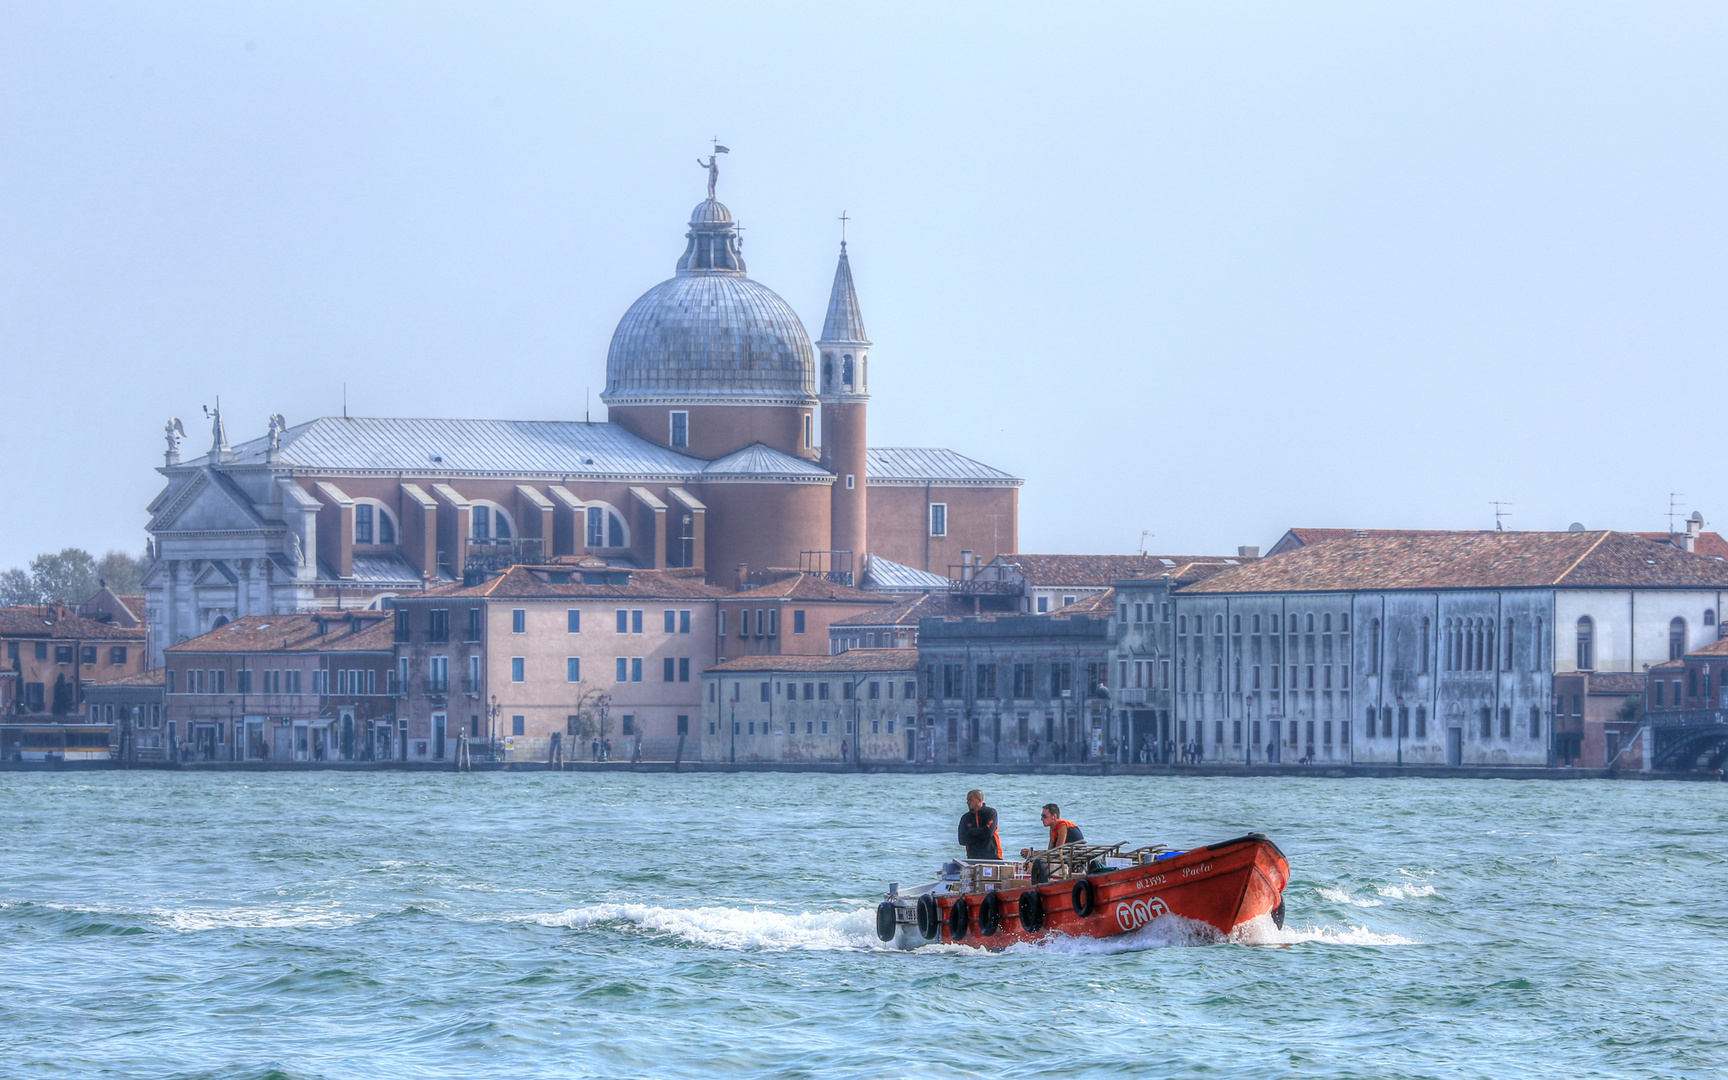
x: 1209, y: 270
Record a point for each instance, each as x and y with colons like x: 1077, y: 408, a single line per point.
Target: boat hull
x: 1222, y: 886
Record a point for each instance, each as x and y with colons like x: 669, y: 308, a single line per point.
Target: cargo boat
x: 1087, y: 890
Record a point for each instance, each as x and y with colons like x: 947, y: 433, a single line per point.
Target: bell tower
x: 843, y: 370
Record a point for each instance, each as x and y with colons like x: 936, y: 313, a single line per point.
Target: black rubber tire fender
x: 1040, y: 871
x: 1278, y: 914
x: 990, y: 914
x: 1084, y: 897
x: 1032, y: 911
x: 959, y: 918
x: 885, y: 920
x: 929, y: 918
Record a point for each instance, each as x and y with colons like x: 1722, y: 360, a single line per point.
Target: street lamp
x: 732, y: 754
x: 491, y: 730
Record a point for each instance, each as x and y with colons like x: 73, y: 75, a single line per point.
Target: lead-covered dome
x: 710, y: 333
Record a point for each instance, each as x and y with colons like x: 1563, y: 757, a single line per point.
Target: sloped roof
x: 139, y: 678
x: 1719, y: 647
x: 807, y: 587
x: 1617, y: 682
x: 522, y: 583
x: 908, y: 611
x: 566, y: 449
x: 852, y: 660
x: 1102, y: 604
x: 761, y: 461
x: 36, y: 621
x: 347, y: 632
x: 1707, y: 543
x: 844, y: 322
x: 930, y: 465
x: 1482, y: 560
x: 886, y: 575
x: 1098, y: 571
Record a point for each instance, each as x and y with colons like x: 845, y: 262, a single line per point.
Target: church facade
x: 732, y: 446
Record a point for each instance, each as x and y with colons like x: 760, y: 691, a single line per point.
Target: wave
x: 1339, y: 896
x: 1387, y: 892
x: 756, y: 930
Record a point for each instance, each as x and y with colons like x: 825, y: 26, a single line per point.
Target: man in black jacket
x: 978, y: 828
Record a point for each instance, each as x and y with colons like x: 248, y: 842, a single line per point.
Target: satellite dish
x: 1576, y: 526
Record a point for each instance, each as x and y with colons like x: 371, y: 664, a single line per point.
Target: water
x: 342, y: 925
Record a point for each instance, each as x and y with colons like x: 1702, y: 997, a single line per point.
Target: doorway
x: 439, y: 723
x: 1275, y: 748
x: 1454, y: 746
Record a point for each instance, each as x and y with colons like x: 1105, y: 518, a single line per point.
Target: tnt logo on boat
x: 1133, y: 915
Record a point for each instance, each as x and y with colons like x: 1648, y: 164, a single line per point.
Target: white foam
x: 187, y: 920
x: 1404, y: 892
x: 1339, y: 896
x: 742, y: 929
x: 1263, y: 931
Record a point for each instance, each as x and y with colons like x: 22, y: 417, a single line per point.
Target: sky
x: 1198, y: 272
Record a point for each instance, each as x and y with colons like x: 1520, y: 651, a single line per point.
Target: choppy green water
x: 340, y: 925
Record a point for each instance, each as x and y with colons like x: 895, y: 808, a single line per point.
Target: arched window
x: 1487, y: 644
x: 1217, y: 624
x: 1586, y: 644
x: 1508, y: 646
x: 1709, y: 616
x: 1676, y: 639
x: 1536, y: 648
x: 846, y: 371
x: 1292, y: 624
x: 605, y: 528
x: 828, y: 371
x: 1373, y: 646
x: 1426, y: 628
x: 1326, y: 622
x: 373, y: 524
x: 491, y: 522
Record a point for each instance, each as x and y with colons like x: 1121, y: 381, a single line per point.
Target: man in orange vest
x: 1062, y: 831
x: 978, y: 828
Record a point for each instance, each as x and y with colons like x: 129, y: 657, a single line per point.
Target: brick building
x: 894, y: 626
x: 789, y: 615
x: 710, y: 458
x: 285, y: 688
x: 50, y: 653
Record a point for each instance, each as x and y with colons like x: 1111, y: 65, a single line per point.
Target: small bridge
x: 1688, y: 738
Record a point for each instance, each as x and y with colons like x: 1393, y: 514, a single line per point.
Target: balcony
x: 472, y: 687
x: 435, y: 687
x: 1132, y: 697
x: 396, y: 687
x: 1685, y: 717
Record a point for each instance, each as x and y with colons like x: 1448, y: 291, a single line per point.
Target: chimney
x: 1248, y: 551
x: 740, y: 577
x: 1694, y: 526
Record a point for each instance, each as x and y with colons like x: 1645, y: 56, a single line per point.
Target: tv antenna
x: 1145, y: 535
x: 1674, y: 510
x: 1500, y: 514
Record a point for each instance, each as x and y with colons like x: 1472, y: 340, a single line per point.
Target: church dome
x: 710, y: 333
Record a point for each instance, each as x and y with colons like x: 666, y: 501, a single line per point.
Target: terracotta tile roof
x: 1099, y: 570
x: 1101, y: 604
x: 908, y: 611
x: 1707, y: 543
x: 142, y: 678
x: 1481, y: 560
x: 42, y: 622
x: 852, y: 660
x: 1617, y: 682
x: 1719, y: 647
x: 297, y: 633
x: 522, y: 583
x: 807, y: 587
x: 134, y: 604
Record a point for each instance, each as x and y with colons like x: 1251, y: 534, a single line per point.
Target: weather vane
x: 712, y: 164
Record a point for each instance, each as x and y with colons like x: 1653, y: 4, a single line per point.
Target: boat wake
x: 757, y: 930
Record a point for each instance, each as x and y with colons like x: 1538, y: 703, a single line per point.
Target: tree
x: 66, y: 578
x: 17, y: 590
x: 123, y: 573
x: 63, y: 703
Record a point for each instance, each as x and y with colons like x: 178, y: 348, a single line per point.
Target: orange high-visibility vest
x: 995, y: 837
x: 1059, y: 831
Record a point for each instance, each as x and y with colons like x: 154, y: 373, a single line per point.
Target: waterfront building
x: 538, y: 656
x: 285, y: 688
x: 894, y: 626
x: 1041, y: 584
x: 1685, y: 711
x: 1016, y: 687
x: 790, y: 614
x: 51, y: 653
x: 710, y: 458
x: 1428, y: 648
x: 860, y: 706
x: 1597, y: 718
x: 134, y: 709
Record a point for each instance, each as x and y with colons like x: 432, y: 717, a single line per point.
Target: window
x: 573, y: 620
x: 1536, y: 648
x: 1423, y: 660
x: 1507, y: 642
x: 680, y: 428
x: 821, y: 695
x: 1043, y: 604
x: 623, y: 620
x: 117, y: 654
x: 623, y: 669
x: 1586, y: 644
x: 518, y: 725
x: 938, y: 519
x: 1676, y: 639
x: 668, y: 670
x: 62, y: 654
x: 605, y: 528
x: 1487, y: 721
x: 438, y: 625
x: 851, y: 481
x: 635, y: 669
x: 386, y: 528
x: 669, y: 621
x: 1535, y: 722
x: 363, y: 523
x: 1709, y: 616
x: 482, y: 523
x: 797, y: 622
x: 767, y: 690
x: 518, y: 669
x: 1373, y: 646
x: 1505, y: 721
x: 519, y: 621
x: 1421, y: 722
x: 573, y: 669
x: 809, y: 432
x: 684, y: 621
x: 627, y: 724
x: 243, y: 681
x: 636, y: 621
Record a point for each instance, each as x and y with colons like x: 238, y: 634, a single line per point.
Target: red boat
x: 1084, y: 890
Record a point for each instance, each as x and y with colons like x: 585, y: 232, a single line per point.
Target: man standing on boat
x: 1062, y: 831
x: 978, y: 828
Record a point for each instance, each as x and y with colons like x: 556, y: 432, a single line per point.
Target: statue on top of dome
x: 712, y: 167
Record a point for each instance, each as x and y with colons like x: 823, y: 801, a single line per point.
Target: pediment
x: 205, y: 504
